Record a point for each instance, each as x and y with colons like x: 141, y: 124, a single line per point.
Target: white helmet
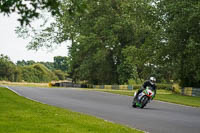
x: 152, y: 80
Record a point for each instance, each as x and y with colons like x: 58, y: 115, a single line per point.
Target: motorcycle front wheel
x: 144, y: 101
x: 134, y: 103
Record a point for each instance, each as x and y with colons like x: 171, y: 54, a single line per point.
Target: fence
x: 70, y: 84
x: 190, y: 91
x: 114, y: 87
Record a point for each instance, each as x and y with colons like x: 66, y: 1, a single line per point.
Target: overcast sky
x: 15, y: 48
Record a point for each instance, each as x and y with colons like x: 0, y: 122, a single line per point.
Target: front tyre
x: 144, y: 101
x: 134, y: 103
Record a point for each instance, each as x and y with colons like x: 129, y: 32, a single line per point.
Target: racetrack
x: 156, y: 117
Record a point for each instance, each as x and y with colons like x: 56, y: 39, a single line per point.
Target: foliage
x: 61, y: 63
x: 180, y: 45
x: 28, y: 10
x: 164, y: 86
x: 99, y: 31
x: 114, y: 41
x: 49, y: 65
x: 60, y: 74
x: 25, y: 63
x: 133, y: 82
x: 8, y: 70
x: 37, y: 73
x: 176, y: 88
x: 59, y: 68
x: 29, y: 71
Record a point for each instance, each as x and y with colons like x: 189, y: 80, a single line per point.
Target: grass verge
x: 162, y: 95
x: 20, y: 115
x: 179, y: 99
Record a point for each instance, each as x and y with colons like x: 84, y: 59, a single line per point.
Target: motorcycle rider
x: 151, y: 83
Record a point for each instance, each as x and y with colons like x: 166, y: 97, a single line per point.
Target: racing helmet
x: 152, y: 80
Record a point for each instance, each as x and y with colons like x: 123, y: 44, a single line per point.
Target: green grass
x: 128, y: 92
x: 20, y: 115
x: 179, y: 99
x: 162, y: 95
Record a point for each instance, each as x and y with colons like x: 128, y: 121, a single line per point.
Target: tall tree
x: 180, y: 44
x: 25, y: 63
x: 99, y: 31
x: 8, y: 70
x: 61, y: 63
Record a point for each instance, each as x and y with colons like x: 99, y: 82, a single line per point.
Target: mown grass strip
x: 20, y: 115
x: 128, y: 92
x: 179, y: 99
x: 162, y: 95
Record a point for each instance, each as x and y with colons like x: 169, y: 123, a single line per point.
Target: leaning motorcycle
x: 143, y: 98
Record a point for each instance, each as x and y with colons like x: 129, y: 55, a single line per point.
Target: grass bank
x: 162, y: 95
x: 20, y: 115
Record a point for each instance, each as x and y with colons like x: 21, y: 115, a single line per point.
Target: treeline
x: 31, y: 71
x: 114, y: 41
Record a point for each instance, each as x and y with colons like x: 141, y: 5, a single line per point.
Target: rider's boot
x: 136, y: 97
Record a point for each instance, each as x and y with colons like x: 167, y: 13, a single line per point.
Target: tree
x: 61, y: 63
x: 104, y: 30
x: 113, y: 41
x: 25, y: 63
x: 99, y: 31
x: 28, y: 9
x: 49, y: 65
x: 8, y: 70
x: 180, y: 42
x: 98, y: 39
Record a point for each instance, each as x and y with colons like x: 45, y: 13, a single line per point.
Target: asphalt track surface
x: 157, y: 117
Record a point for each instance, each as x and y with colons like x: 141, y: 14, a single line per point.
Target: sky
x: 15, y: 48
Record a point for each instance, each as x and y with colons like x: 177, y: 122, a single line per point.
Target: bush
x: 137, y: 86
x: 59, y: 74
x: 37, y: 73
x: 29, y: 74
x: 26, y: 72
x: 176, y: 88
x: 132, y: 81
x: 164, y: 86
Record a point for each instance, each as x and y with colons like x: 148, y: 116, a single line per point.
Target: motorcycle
x: 143, y: 98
